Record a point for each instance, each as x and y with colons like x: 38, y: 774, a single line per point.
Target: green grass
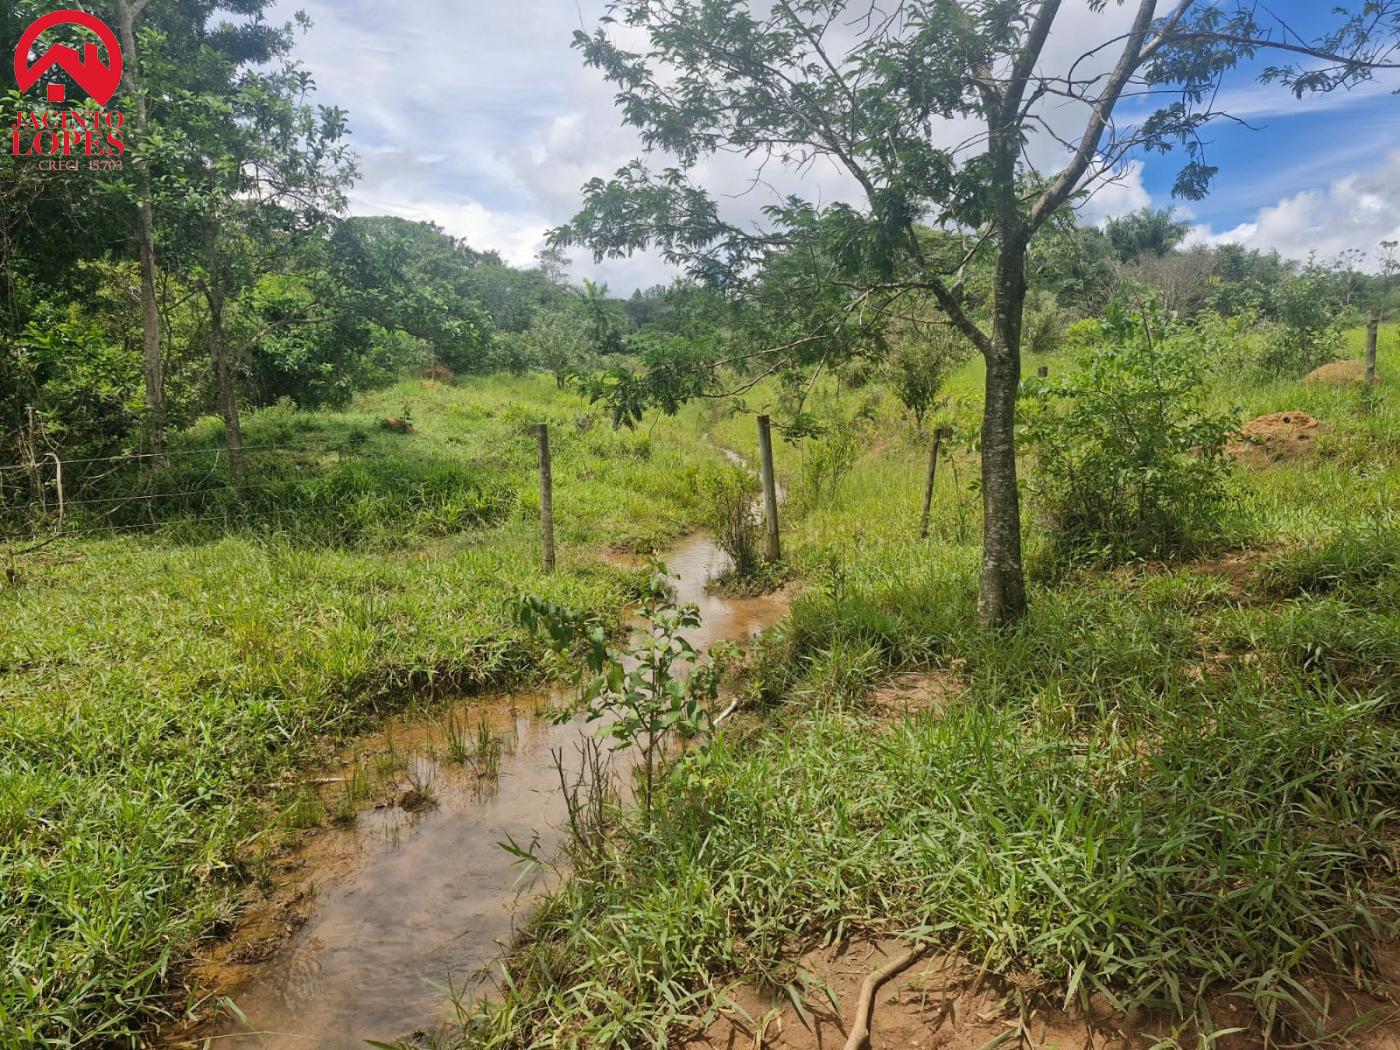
x: 1168, y: 784
x: 1163, y: 782
x: 153, y: 685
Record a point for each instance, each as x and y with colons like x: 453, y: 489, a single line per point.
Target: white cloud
x: 1116, y: 196
x: 1354, y: 211
x: 482, y: 118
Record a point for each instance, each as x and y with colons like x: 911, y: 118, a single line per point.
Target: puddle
x: 370, y: 923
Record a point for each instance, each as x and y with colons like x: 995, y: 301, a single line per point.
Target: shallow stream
x: 372, y: 922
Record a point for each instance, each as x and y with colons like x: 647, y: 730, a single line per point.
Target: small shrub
x: 729, y: 493
x: 1308, y: 335
x: 1129, y: 461
x: 917, y: 367
x: 1084, y: 334
x: 1043, y: 325
x: 637, y: 693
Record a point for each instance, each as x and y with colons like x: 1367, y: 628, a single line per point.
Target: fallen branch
x: 859, y: 1038
x: 733, y: 706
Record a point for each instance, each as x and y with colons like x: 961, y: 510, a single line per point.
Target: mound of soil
x: 1277, y: 438
x: 1339, y: 373
x: 912, y: 691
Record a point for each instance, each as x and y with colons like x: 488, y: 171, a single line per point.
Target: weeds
x: 729, y: 493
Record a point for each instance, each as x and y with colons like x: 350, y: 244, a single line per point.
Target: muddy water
x: 372, y: 922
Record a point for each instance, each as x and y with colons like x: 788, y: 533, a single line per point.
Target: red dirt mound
x: 1339, y: 373
x: 1276, y: 438
x: 396, y: 425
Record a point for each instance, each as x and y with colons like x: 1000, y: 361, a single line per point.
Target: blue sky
x: 479, y: 116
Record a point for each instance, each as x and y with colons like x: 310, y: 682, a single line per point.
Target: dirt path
x: 366, y: 925
x: 945, y: 1001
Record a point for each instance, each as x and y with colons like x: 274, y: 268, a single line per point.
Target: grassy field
x: 1170, y: 783
x: 155, y: 684
x: 1169, y: 779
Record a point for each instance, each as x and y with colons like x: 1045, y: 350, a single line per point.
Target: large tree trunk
x: 1002, y: 596
x: 225, y: 375
x: 150, y: 314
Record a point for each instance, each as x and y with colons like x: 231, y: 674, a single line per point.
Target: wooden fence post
x: 546, y: 497
x: 1373, y: 330
x: 938, y: 433
x: 1043, y: 371
x: 772, y: 546
x: 58, y: 484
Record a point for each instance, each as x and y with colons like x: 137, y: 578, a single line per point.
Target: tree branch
x: 1279, y: 45
x: 1064, y: 185
x: 1029, y: 56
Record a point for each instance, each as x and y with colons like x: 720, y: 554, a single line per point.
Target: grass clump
x: 729, y: 493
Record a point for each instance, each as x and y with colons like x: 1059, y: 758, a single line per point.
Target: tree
x: 1150, y: 232
x: 509, y: 295
x: 605, y: 317
x: 557, y: 342
x: 270, y: 173
x: 890, y: 98
x: 128, y: 11
x: 411, y: 277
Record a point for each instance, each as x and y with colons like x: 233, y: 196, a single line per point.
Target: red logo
x: 97, y: 78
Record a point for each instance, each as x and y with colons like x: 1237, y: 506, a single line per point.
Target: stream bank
x: 367, y: 925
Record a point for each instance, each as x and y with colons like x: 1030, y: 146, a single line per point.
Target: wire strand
x: 137, y: 526
x: 132, y: 456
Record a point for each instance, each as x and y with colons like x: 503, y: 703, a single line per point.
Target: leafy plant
x: 834, y: 443
x: 1308, y: 335
x: 1043, y: 327
x: 917, y: 367
x: 1129, y: 459
x: 729, y: 493
x: 1083, y: 334
x: 638, y: 692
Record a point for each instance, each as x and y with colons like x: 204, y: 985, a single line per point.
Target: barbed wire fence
x: 47, y: 497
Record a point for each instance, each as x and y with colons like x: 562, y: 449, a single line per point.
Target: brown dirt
x: 1241, y: 568
x: 1277, y: 438
x: 1339, y: 373
x: 395, y: 425
x: 913, y: 691
x: 946, y: 1001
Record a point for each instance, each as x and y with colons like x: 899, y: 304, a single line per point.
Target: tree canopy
x: 941, y: 116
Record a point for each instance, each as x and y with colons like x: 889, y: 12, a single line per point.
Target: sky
x: 479, y: 116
